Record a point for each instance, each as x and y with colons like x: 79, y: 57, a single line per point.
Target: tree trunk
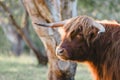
x: 41, y: 59
x: 69, y: 8
x: 49, y: 11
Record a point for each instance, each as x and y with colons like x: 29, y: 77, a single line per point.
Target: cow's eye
x: 80, y: 35
x: 74, y: 33
x: 73, y: 36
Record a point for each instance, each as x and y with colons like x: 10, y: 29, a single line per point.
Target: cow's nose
x: 60, y: 51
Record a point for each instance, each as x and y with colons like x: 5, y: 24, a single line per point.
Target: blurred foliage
x: 4, y: 43
x: 17, y: 10
x: 98, y: 9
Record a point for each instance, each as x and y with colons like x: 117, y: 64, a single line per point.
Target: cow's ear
x: 93, y: 32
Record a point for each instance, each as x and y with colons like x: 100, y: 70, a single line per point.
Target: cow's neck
x: 100, y: 50
x: 105, y: 41
x: 94, y: 70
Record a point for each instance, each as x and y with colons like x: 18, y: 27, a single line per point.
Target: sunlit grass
x: 26, y: 68
x: 21, y: 68
x: 83, y: 73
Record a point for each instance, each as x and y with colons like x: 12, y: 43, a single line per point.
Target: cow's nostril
x: 60, y: 51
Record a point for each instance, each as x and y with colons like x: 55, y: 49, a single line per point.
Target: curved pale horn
x: 52, y: 25
x: 99, y: 26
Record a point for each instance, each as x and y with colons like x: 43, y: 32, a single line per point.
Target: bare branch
x: 10, y: 16
x: 41, y: 59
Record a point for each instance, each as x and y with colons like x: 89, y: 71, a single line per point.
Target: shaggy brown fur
x: 101, y: 51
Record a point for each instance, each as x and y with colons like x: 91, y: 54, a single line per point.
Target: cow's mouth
x: 63, y: 57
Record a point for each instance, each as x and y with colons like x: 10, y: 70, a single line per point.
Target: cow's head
x: 80, y: 32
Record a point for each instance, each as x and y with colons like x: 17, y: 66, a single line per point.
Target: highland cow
x: 95, y: 42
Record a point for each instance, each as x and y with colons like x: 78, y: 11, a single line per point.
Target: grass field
x: 26, y: 68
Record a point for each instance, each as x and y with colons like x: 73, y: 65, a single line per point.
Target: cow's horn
x: 99, y: 26
x: 52, y: 25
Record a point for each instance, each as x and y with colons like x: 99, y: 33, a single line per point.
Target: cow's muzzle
x: 61, y: 53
